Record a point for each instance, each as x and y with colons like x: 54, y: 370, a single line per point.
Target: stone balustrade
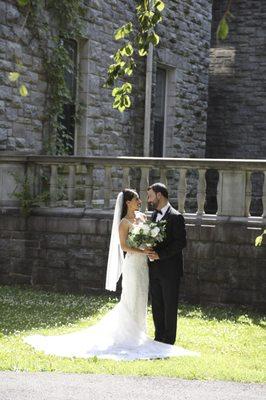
x: 63, y: 244
x: 76, y: 177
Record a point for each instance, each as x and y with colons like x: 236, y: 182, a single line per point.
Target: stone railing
x: 90, y: 182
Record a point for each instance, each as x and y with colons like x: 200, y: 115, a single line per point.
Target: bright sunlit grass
x: 231, y: 340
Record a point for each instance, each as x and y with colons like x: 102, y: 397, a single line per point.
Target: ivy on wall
x: 223, y: 27
x: 52, y: 23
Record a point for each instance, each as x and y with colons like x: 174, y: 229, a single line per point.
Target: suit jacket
x: 170, y: 263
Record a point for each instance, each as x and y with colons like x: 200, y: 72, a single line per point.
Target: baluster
x: 182, y: 190
x: 219, y: 194
x: 144, y: 184
x: 126, y: 178
x: 201, y: 191
x: 53, y: 185
x: 89, y: 186
x: 40, y: 182
x: 163, y: 177
x: 107, y: 186
x: 248, y: 194
x: 31, y: 176
x: 264, y: 196
x: 71, y: 185
x: 38, y: 186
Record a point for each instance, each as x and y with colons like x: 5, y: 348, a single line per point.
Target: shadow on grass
x: 24, y: 309
x: 235, y: 314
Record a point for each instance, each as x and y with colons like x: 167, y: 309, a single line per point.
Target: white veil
x: 116, y: 256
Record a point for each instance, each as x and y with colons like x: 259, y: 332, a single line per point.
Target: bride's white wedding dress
x: 121, y: 333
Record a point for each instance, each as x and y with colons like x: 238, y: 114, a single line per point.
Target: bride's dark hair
x: 128, y: 194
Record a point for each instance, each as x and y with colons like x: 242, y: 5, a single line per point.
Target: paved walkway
x: 56, y: 386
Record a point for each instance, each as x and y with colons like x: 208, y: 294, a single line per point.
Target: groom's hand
x: 154, y: 256
x: 148, y: 251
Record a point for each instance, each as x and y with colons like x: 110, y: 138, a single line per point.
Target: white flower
x: 136, y: 229
x: 145, y: 229
x: 155, y: 231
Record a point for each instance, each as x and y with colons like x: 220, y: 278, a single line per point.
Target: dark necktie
x: 156, y: 212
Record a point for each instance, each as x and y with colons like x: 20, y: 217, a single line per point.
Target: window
x: 66, y: 135
x: 159, y: 113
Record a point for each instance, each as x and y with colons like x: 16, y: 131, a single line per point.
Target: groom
x: 167, y: 268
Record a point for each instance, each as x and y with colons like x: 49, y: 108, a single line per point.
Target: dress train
x: 121, y: 333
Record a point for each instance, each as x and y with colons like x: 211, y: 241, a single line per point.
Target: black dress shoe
x: 159, y: 340
x: 168, y: 341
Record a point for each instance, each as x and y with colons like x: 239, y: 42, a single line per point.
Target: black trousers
x: 164, y: 296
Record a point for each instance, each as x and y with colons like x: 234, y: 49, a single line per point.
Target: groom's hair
x: 159, y: 188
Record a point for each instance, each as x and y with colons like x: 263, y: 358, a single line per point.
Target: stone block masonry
x: 184, y: 47
x: 237, y: 84
x: 67, y: 250
x: 237, y: 88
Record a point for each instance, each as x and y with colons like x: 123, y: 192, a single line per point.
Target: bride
x: 121, y: 333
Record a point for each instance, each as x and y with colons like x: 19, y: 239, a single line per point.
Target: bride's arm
x: 123, y: 234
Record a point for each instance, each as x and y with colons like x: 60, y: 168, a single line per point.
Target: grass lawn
x: 231, y: 340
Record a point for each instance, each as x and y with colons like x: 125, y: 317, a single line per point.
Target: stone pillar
x: 11, y: 181
x: 231, y: 194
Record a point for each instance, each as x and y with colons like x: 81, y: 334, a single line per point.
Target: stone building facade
x: 197, y: 111
x: 236, y: 126
x: 237, y: 84
x: 182, y: 56
x: 230, y: 94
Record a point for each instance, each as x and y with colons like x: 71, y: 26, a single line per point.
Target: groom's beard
x: 153, y: 205
x: 150, y: 207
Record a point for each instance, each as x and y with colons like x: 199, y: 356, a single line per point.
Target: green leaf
x: 13, y: 76
x: 259, y: 239
x: 154, y: 38
x: 116, y: 102
x: 129, y: 49
x: 23, y: 91
x: 129, y: 71
x: 223, y: 29
x: 143, y: 52
x: 121, y: 108
x: 117, y: 91
x: 127, y: 101
x: 123, y: 31
x: 22, y: 3
x: 159, y: 5
x: 127, y: 87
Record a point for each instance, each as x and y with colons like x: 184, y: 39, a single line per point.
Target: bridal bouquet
x: 147, y: 234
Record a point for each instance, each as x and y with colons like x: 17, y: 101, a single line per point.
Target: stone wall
x: 21, y: 119
x: 185, y: 32
x: 237, y: 84
x: 185, y: 41
x: 66, y: 250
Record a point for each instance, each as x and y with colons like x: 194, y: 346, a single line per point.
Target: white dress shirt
x: 163, y: 210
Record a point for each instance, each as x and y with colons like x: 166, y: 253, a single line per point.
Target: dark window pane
x: 159, y: 111
x: 158, y: 139
x: 160, y: 93
x: 66, y: 134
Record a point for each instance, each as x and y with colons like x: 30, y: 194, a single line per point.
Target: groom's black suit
x: 165, y: 275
